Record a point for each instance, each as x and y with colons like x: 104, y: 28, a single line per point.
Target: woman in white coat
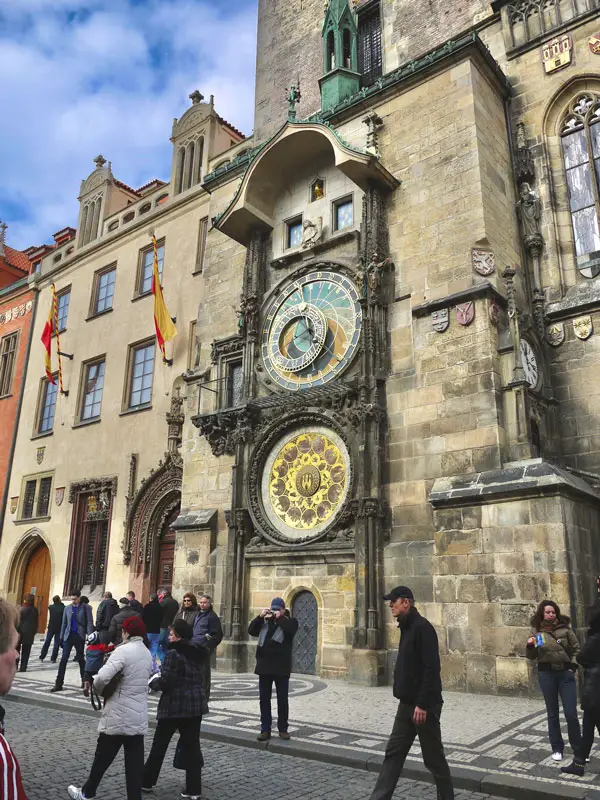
x: 124, y: 720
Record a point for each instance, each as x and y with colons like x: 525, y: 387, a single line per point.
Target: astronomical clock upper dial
x: 530, y: 364
x: 311, y: 330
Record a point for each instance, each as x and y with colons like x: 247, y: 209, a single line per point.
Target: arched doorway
x: 166, y: 555
x: 36, y: 581
x: 304, y: 652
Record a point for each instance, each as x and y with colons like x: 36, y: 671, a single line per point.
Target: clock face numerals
x: 311, y: 330
x: 530, y: 364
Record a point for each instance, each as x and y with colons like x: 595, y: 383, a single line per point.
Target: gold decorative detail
x: 557, y: 53
x: 307, y: 481
x: 583, y: 327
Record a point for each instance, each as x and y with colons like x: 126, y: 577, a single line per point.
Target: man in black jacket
x: 107, y: 609
x: 275, y: 630
x: 115, y: 629
x: 418, y: 686
x: 133, y: 603
x: 55, y: 615
x: 208, y: 633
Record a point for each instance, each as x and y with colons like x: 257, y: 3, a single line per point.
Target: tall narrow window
x: 47, y: 405
x: 343, y: 214
x: 91, y: 390
x: 370, y: 56
x: 43, y: 497
x: 234, y: 384
x: 347, y: 41
x: 88, y: 548
x: 581, y: 154
x: 62, y: 302
x: 140, y: 375
x: 36, y: 493
x: 28, y: 500
x: 189, y: 165
x: 180, y: 169
x: 145, y: 267
x: 202, y: 232
x: 104, y: 290
x: 199, y: 159
x: 8, y: 354
x: 330, y: 52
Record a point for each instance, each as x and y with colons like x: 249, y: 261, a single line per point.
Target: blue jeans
x: 47, y: 643
x: 74, y: 640
x: 154, y: 639
x: 163, y: 643
x: 265, y: 689
x: 561, y: 684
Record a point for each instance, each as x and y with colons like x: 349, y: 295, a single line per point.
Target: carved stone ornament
x: 465, y: 313
x: 312, y: 232
x: 495, y: 312
x: 225, y: 430
x: 39, y: 456
x: 225, y: 347
x: 440, y: 320
x: 59, y: 495
x: 484, y: 261
x: 557, y: 53
x: 93, y: 485
x: 583, y: 327
x: 594, y: 44
x: 555, y: 334
x: 14, y: 502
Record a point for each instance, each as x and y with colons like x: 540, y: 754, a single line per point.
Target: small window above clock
x: 343, y: 213
x: 293, y: 232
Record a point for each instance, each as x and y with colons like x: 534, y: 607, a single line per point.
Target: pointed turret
x: 340, y: 54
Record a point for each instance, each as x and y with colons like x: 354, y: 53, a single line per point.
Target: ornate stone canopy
x: 290, y: 151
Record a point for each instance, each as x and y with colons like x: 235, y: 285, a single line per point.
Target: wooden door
x: 166, y: 557
x: 37, y: 582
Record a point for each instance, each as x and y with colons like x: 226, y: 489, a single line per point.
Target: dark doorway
x: 304, y: 653
x: 166, y: 555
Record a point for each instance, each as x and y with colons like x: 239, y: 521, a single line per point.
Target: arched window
x: 84, y: 216
x: 189, y: 165
x: 180, y: 169
x: 129, y: 216
x: 199, y: 159
x: 145, y: 208
x: 96, y: 220
x: 347, y: 49
x: 330, y: 51
x: 580, y: 135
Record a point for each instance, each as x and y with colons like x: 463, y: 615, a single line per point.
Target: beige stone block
x: 481, y: 674
x: 444, y: 588
x: 486, y: 615
x: 559, y: 588
x: 450, y: 565
x: 454, y: 672
x: 498, y: 540
x: 458, y: 542
x: 512, y: 676
x: 407, y: 493
x: 455, y: 614
x: 420, y: 414
x: 334, y: 657
x: 480, y: 564
x: 470, y: 589
x: 513, y: 563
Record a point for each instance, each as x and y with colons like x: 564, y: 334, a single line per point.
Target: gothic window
x: 580, y: 134
x: 370, y: 55
x: 103, y: 291
x: 528, y: 20
x: 146, y: 263
x: 293, y: 233
x: 189, y: 165
x: 180, y: 169
x: 199, y: 159
x: 140, y: 375
x: 62, y: 308
x: 47, y: 405
x: 36, y: 494
x: 347, y: 48
x: 91, y: 390
x: 330, y: 63
x: 8, y: 354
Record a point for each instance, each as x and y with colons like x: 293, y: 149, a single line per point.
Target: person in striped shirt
x: 11, y: 784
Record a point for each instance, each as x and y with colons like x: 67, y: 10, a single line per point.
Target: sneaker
x: 76, y: 793
x: 191, y: 796
x: 284, y: 735
x: 263, y: 736
x: 557, y: 756
x: 56, y: 689
x: 574, y: 768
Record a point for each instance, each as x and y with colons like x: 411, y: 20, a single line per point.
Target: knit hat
x: 183, y: 629
x: 134, y: 626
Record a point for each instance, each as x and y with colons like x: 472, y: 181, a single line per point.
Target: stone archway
x: 22, y: 555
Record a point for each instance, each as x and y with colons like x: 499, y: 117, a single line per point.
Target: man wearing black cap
x: 418, y: 686
x: 275, y: 630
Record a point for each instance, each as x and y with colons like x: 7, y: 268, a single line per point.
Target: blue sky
x: 108, y: 76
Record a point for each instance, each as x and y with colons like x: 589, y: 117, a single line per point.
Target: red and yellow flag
x: 164, y: 325
x: 47, y: 342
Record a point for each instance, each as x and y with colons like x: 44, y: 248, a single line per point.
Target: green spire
x: 340, y: 54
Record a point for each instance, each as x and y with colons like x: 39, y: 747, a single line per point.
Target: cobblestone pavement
x: 498, y: 736
x: 56, y: 748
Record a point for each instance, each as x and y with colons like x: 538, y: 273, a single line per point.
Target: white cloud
x: 108, y: 77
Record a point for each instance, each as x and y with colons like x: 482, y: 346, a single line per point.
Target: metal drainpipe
x: 18, y: 415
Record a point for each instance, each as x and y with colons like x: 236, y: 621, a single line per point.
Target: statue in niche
x: 317, y: 190
x: 375, y: 271
x: 312, y: 231
x: 529, y: 210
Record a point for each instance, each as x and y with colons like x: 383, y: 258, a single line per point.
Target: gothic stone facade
x: 405, y: 392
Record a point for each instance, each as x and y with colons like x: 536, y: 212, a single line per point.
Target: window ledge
x: 83, y: 423
x: 141, y: 296
x: 42, y: 435
x: 6, y: 396
x: 99, y: 314
x: 135, y: 410
x: 29, y: 520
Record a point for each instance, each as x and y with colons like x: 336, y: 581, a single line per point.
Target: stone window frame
x: 140, y: 277
x: 520, y: 11
x: 36, y: 479
x: 8, y: 362
x: 94, y: 297
x: 127, y: 388
x: 288, y: 224
x: 64, y: 292
x: 225, y: 354
x: 201, y: 248
x: 82, y: 393
x: 44, y: 387
x: 335, y: 204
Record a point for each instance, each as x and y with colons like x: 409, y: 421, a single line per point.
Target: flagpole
x: 164, y: 325
x: 58, y: 353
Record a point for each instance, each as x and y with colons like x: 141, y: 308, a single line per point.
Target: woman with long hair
x: 554, y: 646
x: 589, y: 658
x: 188, y: 610
x: 28, y: 625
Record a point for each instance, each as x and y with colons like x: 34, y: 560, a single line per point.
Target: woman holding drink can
x: 555, y: 646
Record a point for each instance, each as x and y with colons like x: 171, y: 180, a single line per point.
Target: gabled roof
x: 231, y: 127
x: 16, y: 258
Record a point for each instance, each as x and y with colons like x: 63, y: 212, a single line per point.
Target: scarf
x: 277, y: 635
x: 549, y: 626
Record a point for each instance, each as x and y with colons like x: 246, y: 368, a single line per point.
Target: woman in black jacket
x: 28, y: 625
x: 589, y: 658
x: 179, y: 709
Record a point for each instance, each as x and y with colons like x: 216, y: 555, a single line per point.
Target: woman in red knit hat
x: 124, y: 720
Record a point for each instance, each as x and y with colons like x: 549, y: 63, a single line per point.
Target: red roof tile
x: 17, y: 259
x: 230, y: 126
x: 127, y: 188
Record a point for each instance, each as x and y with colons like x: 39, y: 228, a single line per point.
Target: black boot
x: 576, y: 767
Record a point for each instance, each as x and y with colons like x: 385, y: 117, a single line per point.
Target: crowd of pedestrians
x: 163, y: 647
